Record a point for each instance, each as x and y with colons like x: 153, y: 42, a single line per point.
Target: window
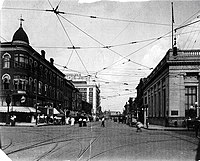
x: 41, y: 70
x: 46, y: 74
x: 31, y: 84
x: 50, y: 91
x: 35, y: 86
x: 40, y: 88
x: 45, y: 89
x: 6, y: 60
x: 190, y: 99
x: 21, y: 60
x: 50, y: 76
x: 31, y: 63
x: 6, y: 81
x: 20, y: 82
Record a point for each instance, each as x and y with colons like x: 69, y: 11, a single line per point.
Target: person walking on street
x: 72, y: 121
x: 139, y: 125
x: 80, y: 122
x: 147, y: 123
x: 13, y: 120
x: 84, y: 122
x: 103, y: 122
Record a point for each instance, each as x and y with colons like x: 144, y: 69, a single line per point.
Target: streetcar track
x: 86, y: 148
x: 4, y: 147
x: 117, y: 147
x: 47, y: 153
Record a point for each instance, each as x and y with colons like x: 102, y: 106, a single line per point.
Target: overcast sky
x: 117, y: 48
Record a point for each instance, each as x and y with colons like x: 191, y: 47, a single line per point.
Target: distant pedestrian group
x: 82, y: 122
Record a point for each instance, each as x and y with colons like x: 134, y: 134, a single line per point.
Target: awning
x: 18, y: 109
x: 55, y: 111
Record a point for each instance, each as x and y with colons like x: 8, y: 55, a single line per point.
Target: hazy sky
x: 122, y: 29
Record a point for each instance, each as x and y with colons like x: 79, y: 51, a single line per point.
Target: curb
x: 167, y: 129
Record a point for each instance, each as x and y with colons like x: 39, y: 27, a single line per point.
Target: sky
x: 121, y: 45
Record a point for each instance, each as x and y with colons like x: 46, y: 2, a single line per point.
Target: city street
x: 116, y: 142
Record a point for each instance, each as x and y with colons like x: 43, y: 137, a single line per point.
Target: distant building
x: 89, y: 90
x: 172, y: 90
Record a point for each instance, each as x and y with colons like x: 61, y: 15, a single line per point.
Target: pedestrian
x: 13, y: 117
x: 84, y: 122
x: 147, y: 123
x: 80, y: 122
x: 103, y: 122
x: 67, y: 120
x: 139, y: 126
x: 72, y: 121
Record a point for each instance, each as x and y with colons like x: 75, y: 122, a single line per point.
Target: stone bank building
x: 172, y: 91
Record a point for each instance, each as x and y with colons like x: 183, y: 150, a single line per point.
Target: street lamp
x: 197, y: 108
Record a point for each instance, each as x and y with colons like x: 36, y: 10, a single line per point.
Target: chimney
x: 43, y: 53
x: 51, y: 61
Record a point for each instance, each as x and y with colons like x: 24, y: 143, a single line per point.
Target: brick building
x: 28, y: 78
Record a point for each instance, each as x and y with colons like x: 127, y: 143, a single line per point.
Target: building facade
x: 90, y: 93
x: 172, y: 90
x: 30, y: 81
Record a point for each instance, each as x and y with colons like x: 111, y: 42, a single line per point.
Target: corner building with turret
x: 30, y: 81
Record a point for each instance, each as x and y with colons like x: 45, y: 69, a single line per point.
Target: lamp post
x: 8, y: 100
x: 197, y: 109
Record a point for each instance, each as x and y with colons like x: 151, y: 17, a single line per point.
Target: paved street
x: 114, y: 142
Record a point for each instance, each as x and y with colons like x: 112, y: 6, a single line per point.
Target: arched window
x: 6, y: 60
x: 6, y: 81
x: 46, y: 74
x: 30, y: 83
x: 35, y: 86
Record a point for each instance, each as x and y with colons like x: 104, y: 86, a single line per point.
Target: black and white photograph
x: 99, y: 80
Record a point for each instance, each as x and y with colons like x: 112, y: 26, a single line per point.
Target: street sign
x: 23, y: 99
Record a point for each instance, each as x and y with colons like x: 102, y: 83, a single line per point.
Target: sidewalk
x: 163, y: 128
x: 25, y: 124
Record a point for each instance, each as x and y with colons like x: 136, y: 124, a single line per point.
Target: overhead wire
x: 57, y: 15
x: 101, y: 43
x: 91, y: 16
x: 3, y: 38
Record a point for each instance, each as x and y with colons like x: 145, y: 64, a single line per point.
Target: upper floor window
x: 30, y: 83
x: 6, y: 60
x: 45, y: 89
x: 20, y: 82
x: 21, y: 60
x: 40, y: 87
x: 31, y: 63
x: 46, y: 73
x: 35, y: 86
x: 6, y: 81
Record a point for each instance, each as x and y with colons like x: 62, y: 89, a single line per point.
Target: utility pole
x: 36, y: 98
x: 172, y: 26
